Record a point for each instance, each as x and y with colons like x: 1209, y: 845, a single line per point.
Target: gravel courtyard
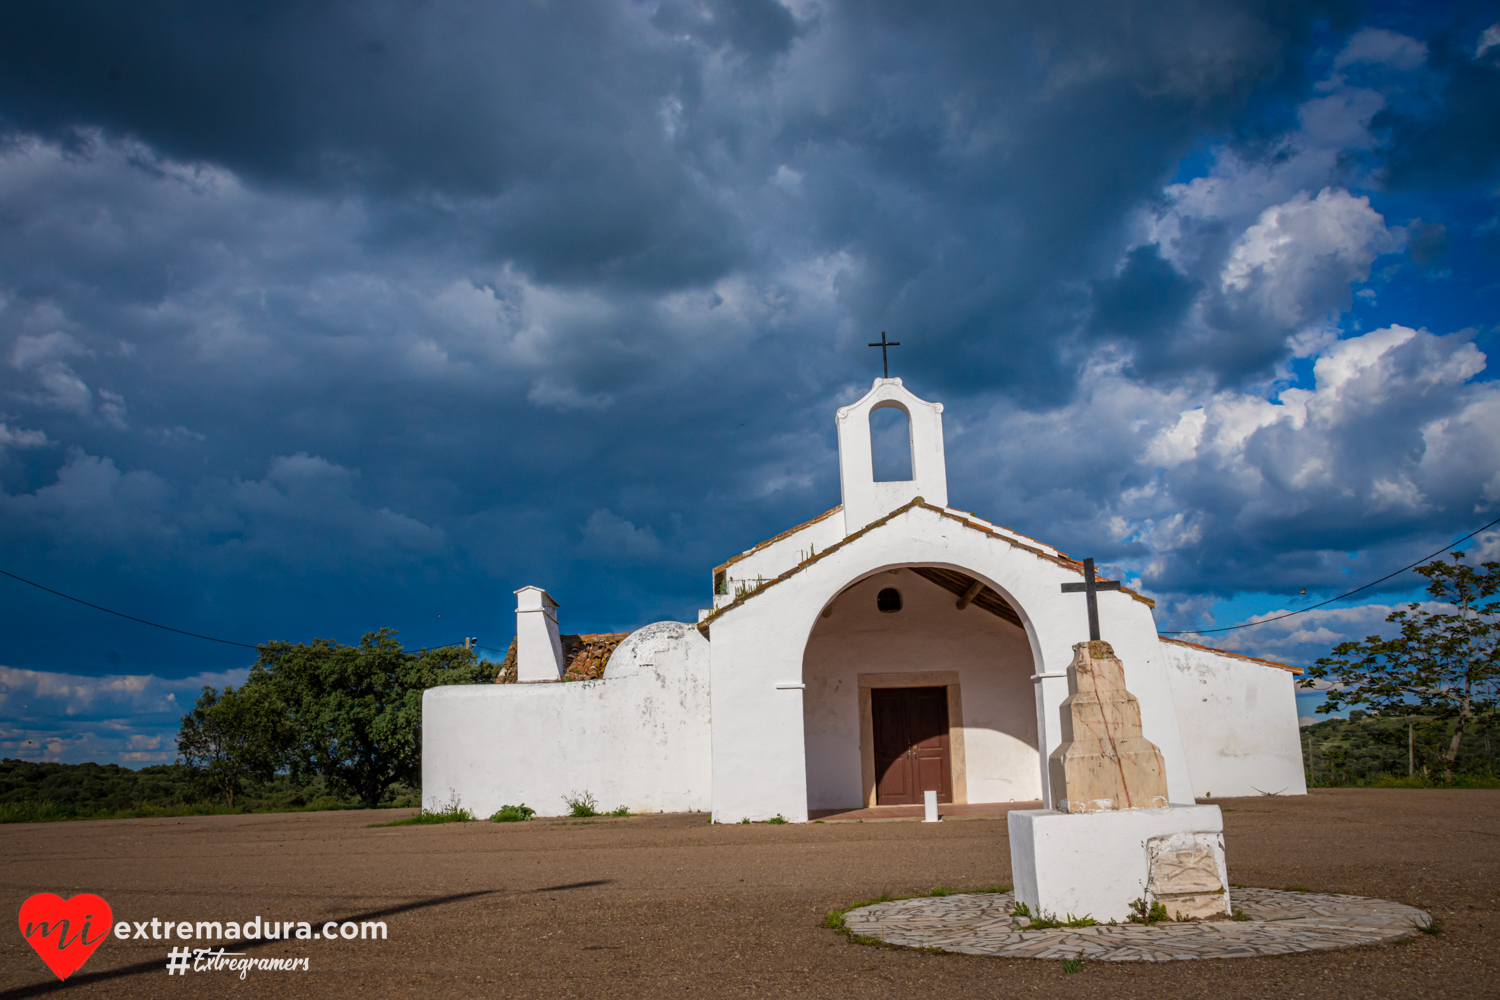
x: 662, y: 906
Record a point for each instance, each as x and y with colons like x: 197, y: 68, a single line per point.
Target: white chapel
x: 891, y: 646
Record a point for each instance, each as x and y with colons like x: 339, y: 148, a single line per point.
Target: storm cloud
x: 322, y: 317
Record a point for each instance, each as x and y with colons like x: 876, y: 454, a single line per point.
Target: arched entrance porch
x: 919, y: 676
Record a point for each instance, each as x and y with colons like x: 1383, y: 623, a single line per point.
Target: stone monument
x: 1113, y: 837
x: 1103, y: 762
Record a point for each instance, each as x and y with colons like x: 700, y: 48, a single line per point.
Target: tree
x: 1447, y: 660
x: 358, y: 709
x: 233, y: 735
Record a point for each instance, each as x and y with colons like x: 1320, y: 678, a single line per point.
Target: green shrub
x: 581, y: 805
x: 1147, y: 913
x: 450, y: 813
x: 513, y: 814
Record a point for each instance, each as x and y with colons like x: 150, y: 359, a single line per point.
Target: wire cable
x: 121, y: 614
x: 1186, y: 631
x: 1289, y: 614
x: 195, y: 635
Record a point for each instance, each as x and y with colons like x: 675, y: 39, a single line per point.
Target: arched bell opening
x: 919, y: 677
x: 891, y: 457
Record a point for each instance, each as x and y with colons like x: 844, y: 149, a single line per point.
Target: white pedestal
x: 929, y: 802
x: 1095, y: 864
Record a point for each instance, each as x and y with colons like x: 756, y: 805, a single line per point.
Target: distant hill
x: 32, y: 791
x: 1372, y: 749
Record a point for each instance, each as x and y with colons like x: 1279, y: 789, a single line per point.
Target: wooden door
x: 911, y: 744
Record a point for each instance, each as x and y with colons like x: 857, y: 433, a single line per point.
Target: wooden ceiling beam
x: 969, y: 590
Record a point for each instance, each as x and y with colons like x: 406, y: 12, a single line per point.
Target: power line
x: 168, y: 628
x: 1187, y: 631
x: 1303, y: 611
x: 121, y: 614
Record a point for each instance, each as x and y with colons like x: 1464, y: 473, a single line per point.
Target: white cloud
x: 19, y: 438
x: 1377, y: 45
x: 125, y: 718
x: 1298, y: 261
x: 42, y: 358
x: 1222, y: 489
x: 562, y: 396
x: 305, y: 510
x: 1490, y: 39
x: 608, y: 535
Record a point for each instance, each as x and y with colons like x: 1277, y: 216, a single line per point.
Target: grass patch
x: 1434, y: 926
x: 1239, y: 915
x: 453, y: 812
x: 34, y: 792
x: 619, y: 812
x: 942, y: 890
x: 1147, y: 913
x: 1042, y: 921
x: 777, y: 820
x: 1295, y: 888
x: 834, y: 919
x: 53, y: 812
x: 1433, y: 781
x: 513, y: 814
x: 581, y: 805
x: 1074, y: 964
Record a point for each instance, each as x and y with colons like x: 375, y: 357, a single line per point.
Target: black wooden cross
x: 884, y: 364
x: 1090, y: 587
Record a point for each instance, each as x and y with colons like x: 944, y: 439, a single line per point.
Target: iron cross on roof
x: 1089, y: 587
x: 883, y: 344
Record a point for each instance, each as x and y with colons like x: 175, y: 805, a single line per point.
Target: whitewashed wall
x: 759, y: 760
x: 1238, y: 720
x: 639, y: 737
x: 775, y: 556
x: 991, y: 657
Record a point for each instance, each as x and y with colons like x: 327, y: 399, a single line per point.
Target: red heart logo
x: 63, y: 931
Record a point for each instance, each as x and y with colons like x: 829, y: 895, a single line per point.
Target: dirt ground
x: 662, y: 906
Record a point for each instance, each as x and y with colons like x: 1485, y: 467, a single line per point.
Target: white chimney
x: 539, y: 654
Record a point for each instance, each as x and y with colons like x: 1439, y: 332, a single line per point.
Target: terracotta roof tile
x: 1237, y: 656
x: 1060, y: 560
x: 773, y: 540
x: 584, y: 656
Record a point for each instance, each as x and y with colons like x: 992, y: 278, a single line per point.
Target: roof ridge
x: 776, y: 538
x: 703, y: 626
x: 1238, y: 656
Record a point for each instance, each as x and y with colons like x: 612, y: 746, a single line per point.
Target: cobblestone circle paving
x: 1280, y: 922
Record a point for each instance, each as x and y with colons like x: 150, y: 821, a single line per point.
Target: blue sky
x: 322, y: 317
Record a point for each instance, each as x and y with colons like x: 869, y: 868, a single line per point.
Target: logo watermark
x: 66, y: 932
x: 253, y: 929
x: 62, y: 930
x: 181, y: 960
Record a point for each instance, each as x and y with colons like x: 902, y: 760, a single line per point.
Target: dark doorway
x: 911, y: 744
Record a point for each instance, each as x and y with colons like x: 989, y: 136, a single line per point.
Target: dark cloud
x: 320, y: 317
x: 1428, y: 244
x: 1454, y: 139
x: 759, y: 29
x: 1145, y: 303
